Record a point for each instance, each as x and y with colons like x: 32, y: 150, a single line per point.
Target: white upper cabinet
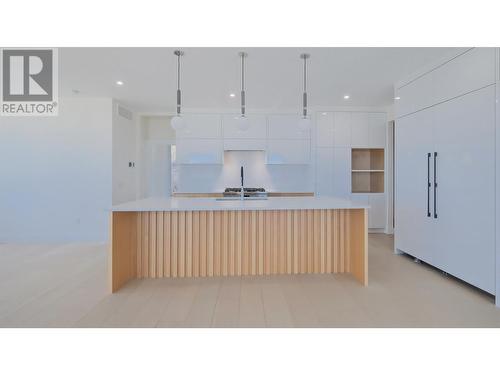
x: 199, y: 151
x: 288, y: 151
x: 257, y: 127
x: 342, y: 129
x: 368, y: 130
x: 415, y: 95
x: 200, y: 126
x: 325, y: 129
x: 360, y: 131
x: 245, y: 144
x: 333, y: 129
x: 476, y: 69
x: 377, y: 129
x: 286, y: 127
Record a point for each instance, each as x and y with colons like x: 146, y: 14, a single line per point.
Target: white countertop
x: 211, y: 204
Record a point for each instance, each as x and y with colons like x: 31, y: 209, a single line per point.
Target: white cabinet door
x: 360, y: 199
x: 403, y: 105
x: 368, y: 130
x: 245, y: 144
x: 288, y: 151
x: 465, y: 168
x: 414, y: 228
x: 470, y: 71
x: 200, y: 126
x: 324, y: 170
x: 257, y: 127
x: 286, y: 127
x: 377, y: 211
x: 325, y: 129
x: 199, y: 151
x: 342, y: 172
x: 360, y: 131
x: 342, y: 132
x: 378, y: 129
x: 416, y: 95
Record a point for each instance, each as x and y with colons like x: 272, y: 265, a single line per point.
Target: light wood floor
x: 66, y: 286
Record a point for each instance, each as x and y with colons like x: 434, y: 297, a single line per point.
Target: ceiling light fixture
x: 119, y: 83
x: 346, y: 97
x: 243, y: 123
x: 177, y: 122
x: 232, y: 95
x: 397, y: 98
x: 305, y: 121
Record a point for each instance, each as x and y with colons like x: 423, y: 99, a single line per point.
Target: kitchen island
x: 205, y: 237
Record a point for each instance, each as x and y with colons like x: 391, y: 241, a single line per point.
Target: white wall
x: 124, y: 152
x: 55, y: 175
x: 154, y: 137
x: 390, y: 113
x: 157, y: 127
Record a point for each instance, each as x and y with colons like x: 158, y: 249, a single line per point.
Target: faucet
x: 242, y: 192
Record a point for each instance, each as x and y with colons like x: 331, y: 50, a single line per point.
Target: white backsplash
x: 214, y: 178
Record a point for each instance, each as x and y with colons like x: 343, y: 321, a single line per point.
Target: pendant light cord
x: 304, y: 56
x: 243, y: 55
x: 178, y: 72
x: 178, y: 54
x: 242, y: 72
x: 305, y: 74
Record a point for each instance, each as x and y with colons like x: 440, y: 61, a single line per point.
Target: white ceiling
x: 209, y: 75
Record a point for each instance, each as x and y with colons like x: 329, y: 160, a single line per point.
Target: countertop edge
x: 203, y: 204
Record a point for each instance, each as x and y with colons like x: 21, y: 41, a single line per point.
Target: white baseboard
x: 376, y: 230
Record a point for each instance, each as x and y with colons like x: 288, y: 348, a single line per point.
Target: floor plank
x: 227, y: 308
x: 202, y: 310
x: 251, y: 304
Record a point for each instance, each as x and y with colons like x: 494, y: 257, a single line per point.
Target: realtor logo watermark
x: 29, y: 82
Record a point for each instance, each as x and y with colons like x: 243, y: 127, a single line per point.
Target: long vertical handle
x: 435, y: 185
x: 428, y: 184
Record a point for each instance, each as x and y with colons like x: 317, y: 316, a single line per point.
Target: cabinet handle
x: 429, y: 184
x: 435, y: 185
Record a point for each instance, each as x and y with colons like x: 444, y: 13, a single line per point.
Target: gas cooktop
x: 247, y: 192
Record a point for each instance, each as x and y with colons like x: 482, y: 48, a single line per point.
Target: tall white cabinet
x: 337, y: 134
x: 445, y: 168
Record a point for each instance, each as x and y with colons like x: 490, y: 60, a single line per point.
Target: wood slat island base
x: 153, y: 244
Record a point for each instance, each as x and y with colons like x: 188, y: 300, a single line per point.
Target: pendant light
x: 243, y: 123
x: 305, y: 121
x: 177, y: 121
